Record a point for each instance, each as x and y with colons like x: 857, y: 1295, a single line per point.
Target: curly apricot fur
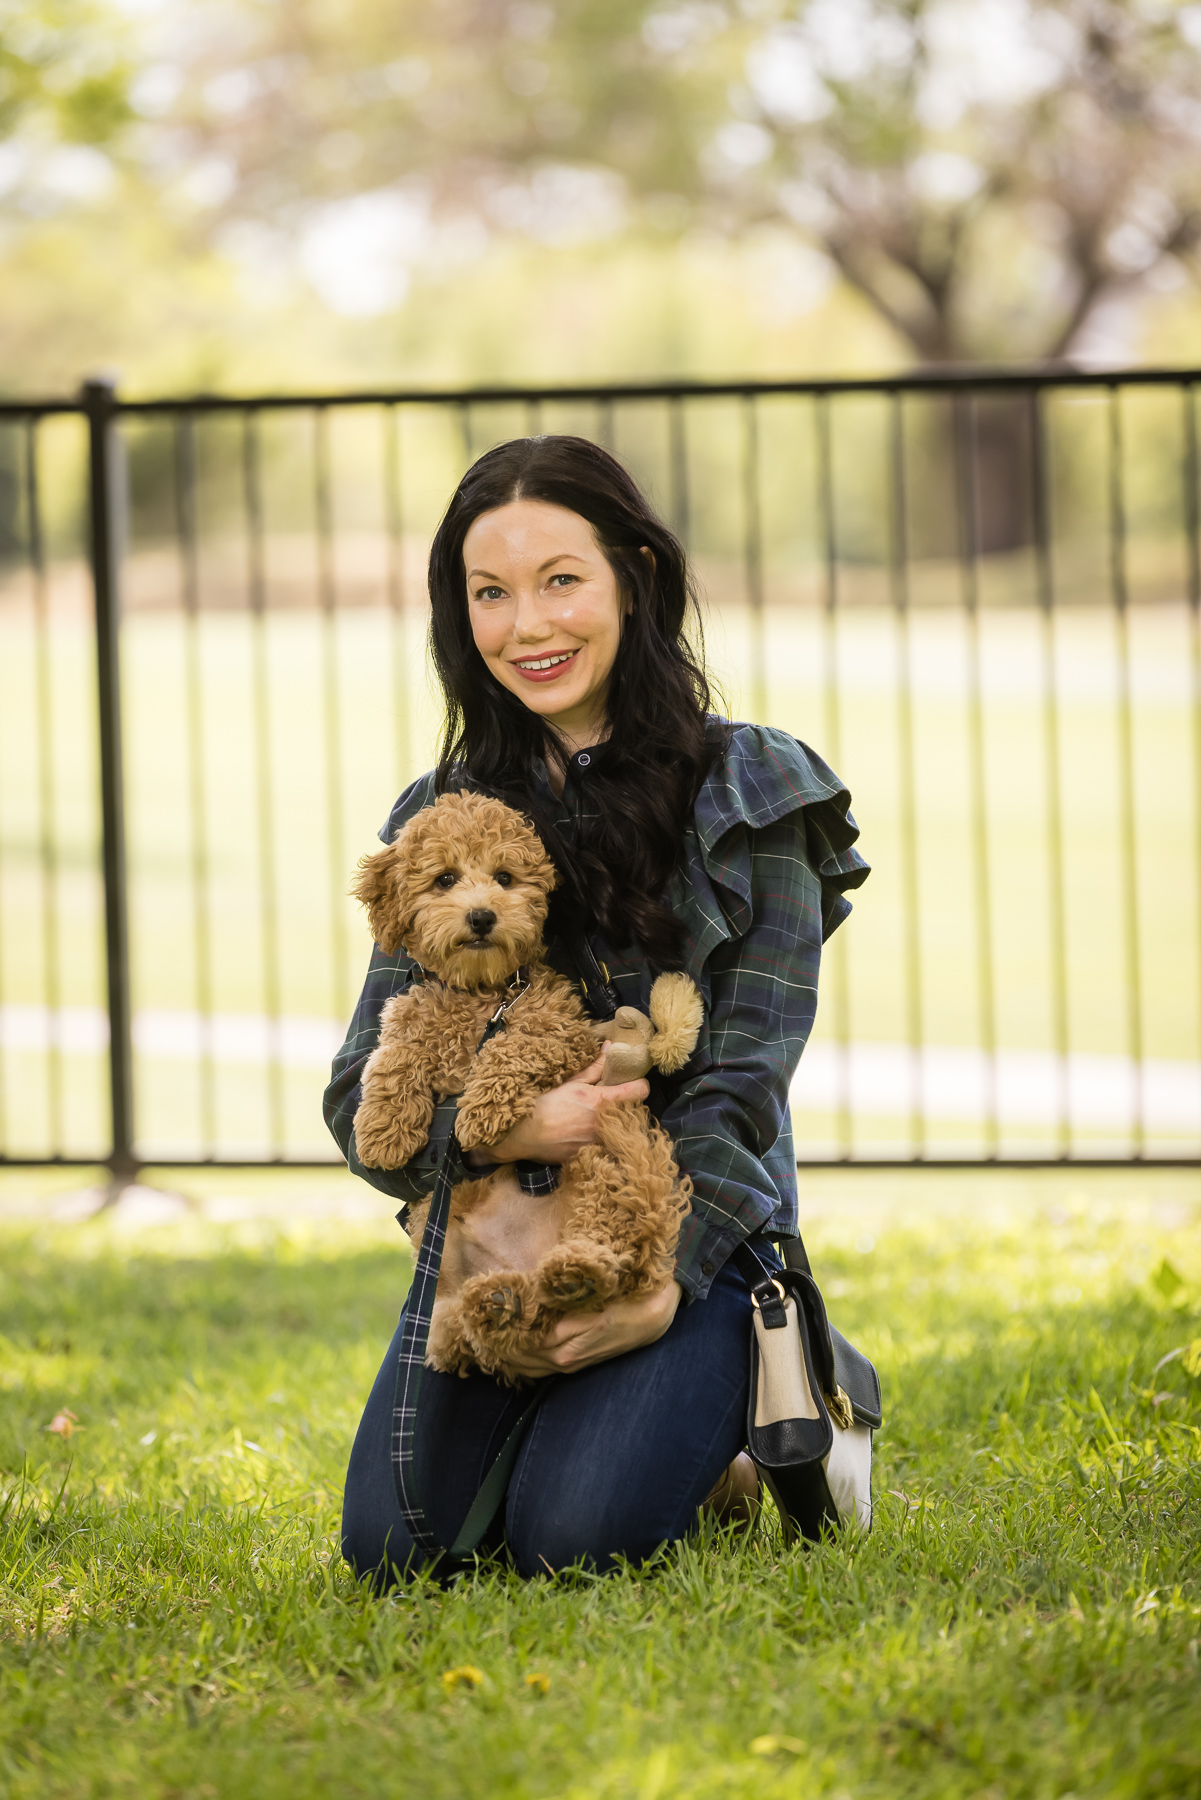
x: 513, y: 1265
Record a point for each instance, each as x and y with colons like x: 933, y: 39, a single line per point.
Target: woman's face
x: 545, y: 612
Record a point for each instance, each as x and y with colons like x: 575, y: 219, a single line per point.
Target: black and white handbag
x: 814, y: 1403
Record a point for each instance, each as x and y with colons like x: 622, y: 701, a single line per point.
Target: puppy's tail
x: 677, y: 1013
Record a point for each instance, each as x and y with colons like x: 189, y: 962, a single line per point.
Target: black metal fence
x: 978, y: 594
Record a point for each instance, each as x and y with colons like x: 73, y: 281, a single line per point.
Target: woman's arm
x: 585, y: 1338
x: 386, y: 975
x: 562, y: 1122
x: 727, y: 1115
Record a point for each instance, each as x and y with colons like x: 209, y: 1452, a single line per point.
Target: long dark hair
x: 661, y: 742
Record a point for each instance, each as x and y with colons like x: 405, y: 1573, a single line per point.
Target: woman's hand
x: 563, y: 1119
x: 585, y: 1338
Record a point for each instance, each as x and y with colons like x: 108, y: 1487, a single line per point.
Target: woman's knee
x: 546, y: 1545
x: 549, y: 1530
x: 382, y: 1555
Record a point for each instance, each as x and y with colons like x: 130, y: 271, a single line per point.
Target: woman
x: 559, y: 607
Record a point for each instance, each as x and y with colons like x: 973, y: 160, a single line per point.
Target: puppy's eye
x: 446, y: 880
x: 502, y: 878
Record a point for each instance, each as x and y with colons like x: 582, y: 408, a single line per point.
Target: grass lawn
x: 1025, y: 1618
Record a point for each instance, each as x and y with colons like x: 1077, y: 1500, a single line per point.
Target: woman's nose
x: 481, y: 920
x: 529, y: 623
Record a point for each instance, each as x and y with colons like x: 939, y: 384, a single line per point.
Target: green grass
x: 1025, y: 1618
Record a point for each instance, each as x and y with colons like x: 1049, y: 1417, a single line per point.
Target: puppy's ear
x: 379, y: 885
x: 536, y: 866
x: 543, y: 874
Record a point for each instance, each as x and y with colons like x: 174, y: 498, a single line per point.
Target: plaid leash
x: 411, y: 1361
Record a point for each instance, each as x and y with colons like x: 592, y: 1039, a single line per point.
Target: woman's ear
x: 646, y: 551
x: 379, y: 886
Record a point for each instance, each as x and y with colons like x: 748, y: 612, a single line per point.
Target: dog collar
x: 518, y: 984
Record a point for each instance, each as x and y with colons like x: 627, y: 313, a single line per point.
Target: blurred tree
x: 987, y: 173
x: 63, y: 76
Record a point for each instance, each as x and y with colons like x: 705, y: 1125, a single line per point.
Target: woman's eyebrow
x: 560, y: 556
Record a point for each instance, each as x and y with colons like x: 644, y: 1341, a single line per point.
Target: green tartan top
x: 768, y: 859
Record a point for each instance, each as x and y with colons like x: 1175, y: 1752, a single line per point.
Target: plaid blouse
x: 768, y: 859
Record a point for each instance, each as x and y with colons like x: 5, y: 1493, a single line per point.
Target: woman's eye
x: 502, y: 878
x: 568, y: 580
x: 446, y: 880
x: 490, y: 593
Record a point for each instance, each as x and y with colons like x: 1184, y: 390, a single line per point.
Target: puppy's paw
x: 448, y: 1350
x: 496, y: 1302
x: 625, y: 1062
x: 576, y: 1275
x: 484, y: 1118
x: 382, y: 1140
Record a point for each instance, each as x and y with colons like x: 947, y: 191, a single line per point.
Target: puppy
x: 464, y: 889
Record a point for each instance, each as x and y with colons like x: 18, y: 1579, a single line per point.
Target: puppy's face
x: 464, y: 889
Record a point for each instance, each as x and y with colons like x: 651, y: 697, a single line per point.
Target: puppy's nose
x: 481, y: 920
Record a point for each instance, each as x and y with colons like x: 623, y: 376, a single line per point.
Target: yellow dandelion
x: 538, y: 1682
x: 466, y: 1676
x: 771, y: 1744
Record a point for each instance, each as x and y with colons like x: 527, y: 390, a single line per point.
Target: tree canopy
x: 987, y: 173
x: 63, y: 77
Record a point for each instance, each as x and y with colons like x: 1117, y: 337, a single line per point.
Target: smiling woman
x: 548, y: 550
x: 546, y: 613
x: 559, y: 612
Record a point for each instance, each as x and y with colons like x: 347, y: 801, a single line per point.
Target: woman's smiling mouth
x: 545, y: 668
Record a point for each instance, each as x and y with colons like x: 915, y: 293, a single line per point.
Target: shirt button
x: 583, y: 760
x: 706, y: 1268
x: 433, y: 1153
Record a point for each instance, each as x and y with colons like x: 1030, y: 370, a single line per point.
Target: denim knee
x: 379, y: 1552
x: 546, y: 1546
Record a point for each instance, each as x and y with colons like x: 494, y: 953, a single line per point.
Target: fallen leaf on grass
x: 64, y: 1423
x: 467, y: 1676
x: 771, y: 1744
x: 539, y: 1682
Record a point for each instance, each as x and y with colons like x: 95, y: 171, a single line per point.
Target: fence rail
x: 977, y: 592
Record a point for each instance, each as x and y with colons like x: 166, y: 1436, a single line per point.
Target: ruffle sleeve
x: 764, y: 776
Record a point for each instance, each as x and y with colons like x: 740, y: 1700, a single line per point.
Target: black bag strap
x: 766, y: 1288
x: 574, y: 946
x: 761, y: 1282
x: 794, y: 1255
x: 410, y: 1362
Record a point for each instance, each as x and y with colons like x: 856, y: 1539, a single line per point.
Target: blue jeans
x: 614, y: 1463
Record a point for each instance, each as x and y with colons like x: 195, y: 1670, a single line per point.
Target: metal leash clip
x: 519, y: 985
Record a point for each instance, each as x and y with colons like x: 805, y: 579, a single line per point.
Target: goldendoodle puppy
x: 464, y: 889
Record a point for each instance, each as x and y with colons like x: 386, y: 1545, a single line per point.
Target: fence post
x: 106, y: 491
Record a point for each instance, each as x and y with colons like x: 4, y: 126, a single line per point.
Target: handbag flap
x: 782, y: 1391
x: 858, y: 1380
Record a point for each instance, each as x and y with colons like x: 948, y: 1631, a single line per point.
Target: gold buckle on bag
x: 838, y: 1404
x: 779, y: 1289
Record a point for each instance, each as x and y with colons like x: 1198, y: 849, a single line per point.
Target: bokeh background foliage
x: 465, y: 189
